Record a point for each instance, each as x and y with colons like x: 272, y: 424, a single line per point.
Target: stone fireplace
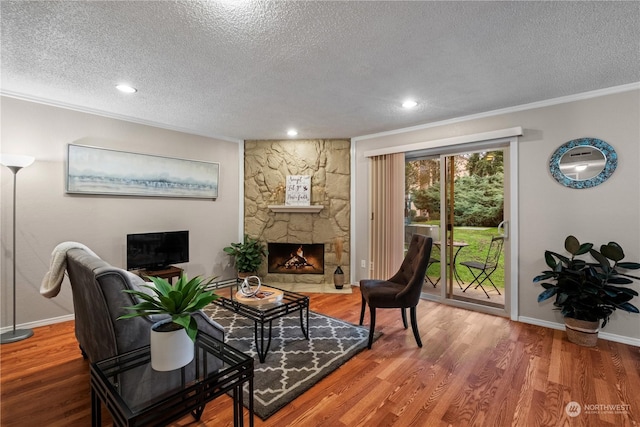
x: 296, y: 258
x: 267, y: 163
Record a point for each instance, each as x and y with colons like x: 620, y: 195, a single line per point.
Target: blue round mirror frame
x: 611, y: 162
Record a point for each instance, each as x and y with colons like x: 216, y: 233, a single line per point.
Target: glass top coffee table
x: 264, y: 313
x: 137, y: 395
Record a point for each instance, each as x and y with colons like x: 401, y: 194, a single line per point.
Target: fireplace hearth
x: 296, y: 258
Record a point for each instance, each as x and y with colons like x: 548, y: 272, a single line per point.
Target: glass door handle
x: 503, y: 229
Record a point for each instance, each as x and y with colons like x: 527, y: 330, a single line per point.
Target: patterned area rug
x: 293, y: 364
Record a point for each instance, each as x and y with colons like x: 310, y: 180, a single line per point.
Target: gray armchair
x: 98, y: 301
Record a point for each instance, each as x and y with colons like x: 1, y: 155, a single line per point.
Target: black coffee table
x: 263, y: 314
x: 136, y: 395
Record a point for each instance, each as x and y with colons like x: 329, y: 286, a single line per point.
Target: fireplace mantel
x: 296, y: 209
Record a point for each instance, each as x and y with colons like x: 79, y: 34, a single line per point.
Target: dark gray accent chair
x: 98, y: 301
x: 400, y: 291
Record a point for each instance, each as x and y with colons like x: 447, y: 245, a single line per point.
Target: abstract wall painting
x: 92, y: 170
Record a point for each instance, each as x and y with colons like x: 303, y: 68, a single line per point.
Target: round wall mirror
x: 583, y: 163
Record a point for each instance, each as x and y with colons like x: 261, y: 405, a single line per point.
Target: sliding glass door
x: 458, y: 199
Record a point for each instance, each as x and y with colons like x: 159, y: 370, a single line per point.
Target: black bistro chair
x: 432, y: 261
x: 482, y: 271
x: 400, y: 291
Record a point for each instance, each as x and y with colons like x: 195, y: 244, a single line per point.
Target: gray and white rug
x: 293, y: 364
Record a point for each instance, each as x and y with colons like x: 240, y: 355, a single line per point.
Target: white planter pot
x: 170, y: 350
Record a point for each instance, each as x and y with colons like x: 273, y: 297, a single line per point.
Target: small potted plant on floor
x: 248, y: 255
x: 172, y: 339
x: 588, y: 292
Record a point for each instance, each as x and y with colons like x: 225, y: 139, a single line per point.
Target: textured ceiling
x: 253, y: 69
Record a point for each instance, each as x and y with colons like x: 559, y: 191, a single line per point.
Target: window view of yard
x: 478, y: 208
x: 478, y: 239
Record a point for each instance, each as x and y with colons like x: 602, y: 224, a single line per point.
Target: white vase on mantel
x: 171, y: 349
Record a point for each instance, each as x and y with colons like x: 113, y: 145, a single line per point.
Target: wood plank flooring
x: 473, y: 370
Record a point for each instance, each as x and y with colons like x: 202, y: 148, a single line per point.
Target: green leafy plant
x: 248, y: 255
x: 589, y: 291
x: 179, y: 301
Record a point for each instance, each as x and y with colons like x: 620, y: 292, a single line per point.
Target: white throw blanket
x: 50, y: 286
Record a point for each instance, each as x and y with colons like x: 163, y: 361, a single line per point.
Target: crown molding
x: 109, y: 115
x: 523, y: 107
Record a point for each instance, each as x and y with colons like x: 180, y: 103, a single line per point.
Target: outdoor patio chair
x: 402, y: 290
x: 426, y: 276
x: 485, y: 269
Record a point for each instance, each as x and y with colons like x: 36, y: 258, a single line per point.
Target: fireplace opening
x: 296, y: 258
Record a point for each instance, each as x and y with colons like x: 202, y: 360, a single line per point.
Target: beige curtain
x: 387, y: 214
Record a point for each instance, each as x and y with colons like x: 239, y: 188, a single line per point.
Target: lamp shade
x: 16, y: 160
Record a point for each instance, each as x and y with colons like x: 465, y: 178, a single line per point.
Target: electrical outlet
x: 363, y: 263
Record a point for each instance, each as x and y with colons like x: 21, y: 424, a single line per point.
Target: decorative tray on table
x: 265, y: 295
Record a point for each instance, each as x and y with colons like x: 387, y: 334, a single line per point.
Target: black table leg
x: 260, y: 348
x: 305, y: 329
x: 251, y: 402
x: 238, y: 419
x: 96, y: 415
x: 197, y: 413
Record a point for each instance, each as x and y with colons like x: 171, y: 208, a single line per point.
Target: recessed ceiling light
x: 409, y: 103
x: 292, y: 132
x: 126, y: 89
x: 580, y: 168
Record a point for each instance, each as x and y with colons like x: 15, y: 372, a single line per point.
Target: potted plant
x: 588, y: 292
x: 248, y: 255
x: 172, y: 339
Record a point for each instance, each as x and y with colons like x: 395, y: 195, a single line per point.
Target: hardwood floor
x: 474, y: 370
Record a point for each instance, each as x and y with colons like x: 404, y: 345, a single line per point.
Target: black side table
x: 136, y: 395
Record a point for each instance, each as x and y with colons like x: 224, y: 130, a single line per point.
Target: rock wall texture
x: 327, y: 161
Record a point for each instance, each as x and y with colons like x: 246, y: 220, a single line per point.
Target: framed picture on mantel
x: 298, y: 190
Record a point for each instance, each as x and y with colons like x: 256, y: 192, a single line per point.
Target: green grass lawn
x: 478, y: 240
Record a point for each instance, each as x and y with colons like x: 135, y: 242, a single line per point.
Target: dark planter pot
x: 582, y: 332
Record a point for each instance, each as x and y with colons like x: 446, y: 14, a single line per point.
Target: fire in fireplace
x: 296, y: 258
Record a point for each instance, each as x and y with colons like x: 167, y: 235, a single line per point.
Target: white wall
x: 47, y: 216
x: 548, y: 212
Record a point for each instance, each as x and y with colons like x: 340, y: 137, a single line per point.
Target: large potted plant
x: 248, y: 255
x: 172, y: 339
x: 587, y: 292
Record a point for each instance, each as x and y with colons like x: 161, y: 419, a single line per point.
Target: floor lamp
x: 15, y: 163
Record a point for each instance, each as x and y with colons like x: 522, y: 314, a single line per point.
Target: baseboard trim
x: 43, y: 322
x: 560, y: 326
x: 530, y: 320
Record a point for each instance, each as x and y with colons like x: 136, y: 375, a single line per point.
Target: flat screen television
x: 156, y: 251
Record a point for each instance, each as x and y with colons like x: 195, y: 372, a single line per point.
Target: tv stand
x: 166, y: 273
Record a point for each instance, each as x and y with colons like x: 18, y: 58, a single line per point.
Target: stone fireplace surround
x: 267, y: 163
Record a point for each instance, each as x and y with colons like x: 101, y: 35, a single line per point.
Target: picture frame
x: 298, y: 190
x: 103, y: 171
